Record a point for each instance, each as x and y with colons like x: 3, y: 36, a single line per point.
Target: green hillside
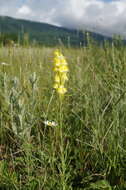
x: 42, y: 33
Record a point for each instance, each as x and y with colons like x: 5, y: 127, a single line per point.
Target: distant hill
x: 43, y: 33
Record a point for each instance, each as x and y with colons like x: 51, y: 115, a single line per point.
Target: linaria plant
x: 60, y: 78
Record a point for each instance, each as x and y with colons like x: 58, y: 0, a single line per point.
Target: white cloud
x: 97, y: 15
x: 94, y: 15
x: 24, y: 10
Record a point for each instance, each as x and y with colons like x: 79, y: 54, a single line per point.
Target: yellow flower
x: 56, y: 86
x: 64, y: 77
x: 57, y: 62
x: 64, y: 61
x: 60, y: 69
x: 57, y: 52
x: 57, y: 78
x: 61, y: 90
x: 63, y: 68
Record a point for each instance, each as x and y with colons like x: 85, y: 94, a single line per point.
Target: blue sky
x: 103, y: 16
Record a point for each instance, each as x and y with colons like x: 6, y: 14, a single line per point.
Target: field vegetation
x: 71, y: 143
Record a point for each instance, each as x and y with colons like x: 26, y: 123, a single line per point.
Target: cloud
x: 101, y: 16
x: 24, y: 10
x: 95, y: 15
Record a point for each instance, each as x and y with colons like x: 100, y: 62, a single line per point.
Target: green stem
x: 62, y: 151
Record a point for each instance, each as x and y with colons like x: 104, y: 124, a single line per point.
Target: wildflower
x: 56, y: 85
x: 61, y: 90
x: 50, y: 123
x: 57, y: 78
x: 5, y: 64
x: 64, y: 76
x: 61, y: 70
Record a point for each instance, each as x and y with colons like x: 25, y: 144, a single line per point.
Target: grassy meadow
x: 86, y: 146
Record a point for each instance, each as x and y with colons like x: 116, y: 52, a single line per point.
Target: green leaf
x: 100, y: 185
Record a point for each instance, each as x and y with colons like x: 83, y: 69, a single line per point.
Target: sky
x: 103, y: 16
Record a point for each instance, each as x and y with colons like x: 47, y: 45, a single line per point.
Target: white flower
x: 5, y: 64
x: 50, y: 123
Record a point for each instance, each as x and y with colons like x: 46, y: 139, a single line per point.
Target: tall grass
x: 89, y: 150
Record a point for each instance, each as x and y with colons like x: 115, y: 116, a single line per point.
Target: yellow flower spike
x: 60, y: 69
